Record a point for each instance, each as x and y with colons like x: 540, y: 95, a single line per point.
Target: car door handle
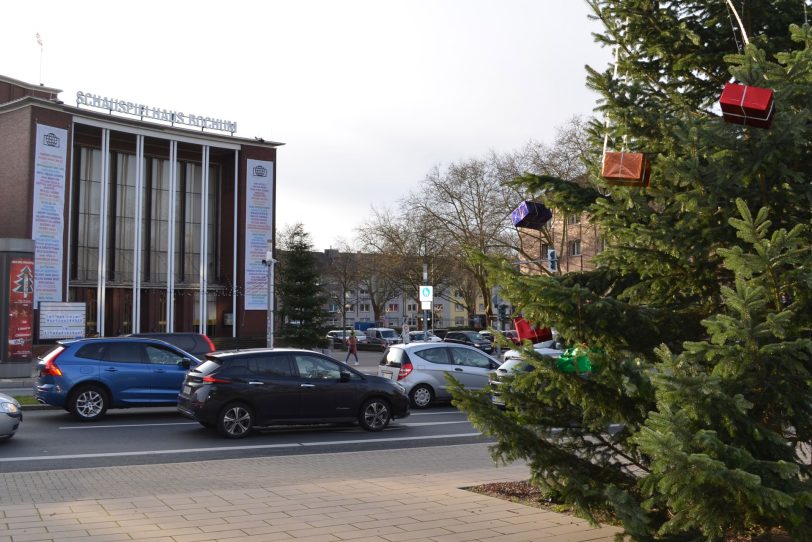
x: 458, y: 370
x: 255, y: 383
x: 307, y: 385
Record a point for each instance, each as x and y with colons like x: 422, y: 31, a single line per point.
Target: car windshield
x: 388, y: 333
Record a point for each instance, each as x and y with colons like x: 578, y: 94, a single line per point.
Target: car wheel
x: 375, y: 415
x: 88, y: 403
x: 235, y: 421
x: 421, y: 396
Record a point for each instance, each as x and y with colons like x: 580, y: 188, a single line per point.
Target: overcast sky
x: 367, y: 95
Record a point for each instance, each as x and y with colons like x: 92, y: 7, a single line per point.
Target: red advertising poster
x: 20, y: 309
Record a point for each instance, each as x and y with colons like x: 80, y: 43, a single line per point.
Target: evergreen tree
x: 695, y: 424
x: 300, y: 295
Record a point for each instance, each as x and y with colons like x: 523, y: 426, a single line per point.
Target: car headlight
x: 9, y: 408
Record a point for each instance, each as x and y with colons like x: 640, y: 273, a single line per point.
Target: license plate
x: 187, y: 390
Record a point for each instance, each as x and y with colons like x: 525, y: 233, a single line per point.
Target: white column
x: 138, y: 242
x: 170, y: 245
x: 204, y: 238
x: 235, y: 250
x: 105, y: 197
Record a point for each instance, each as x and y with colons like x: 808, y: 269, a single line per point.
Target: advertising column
x: 16, y: 307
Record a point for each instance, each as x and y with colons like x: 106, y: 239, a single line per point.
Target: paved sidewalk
x: 395, y: 495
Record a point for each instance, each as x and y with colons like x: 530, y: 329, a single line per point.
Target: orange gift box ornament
x: 626, y: 168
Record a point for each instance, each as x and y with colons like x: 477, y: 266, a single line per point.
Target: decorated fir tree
x: 300, y: 297
x: 696, y: 421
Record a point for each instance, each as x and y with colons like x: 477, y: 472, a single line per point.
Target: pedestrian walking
x: 405, y: 334
x: 352, y: 348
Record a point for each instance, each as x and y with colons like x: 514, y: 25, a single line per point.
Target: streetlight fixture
x: 269, y: 262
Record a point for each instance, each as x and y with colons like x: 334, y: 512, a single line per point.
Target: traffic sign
x: 426, y: 293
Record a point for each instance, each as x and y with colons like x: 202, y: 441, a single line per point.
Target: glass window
x: 435, y: 355
x: 470, y: 358
x: 575, y: 247
x: 274, y: 365
x: 91, y: 351
x: 124, y: 353
x: 162, y: 356
x: 316, y: 368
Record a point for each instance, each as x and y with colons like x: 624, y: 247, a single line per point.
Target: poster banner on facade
x: 62, y: 320
x: 20, y: 309
x: 258, y: 231
x: 48, y: 223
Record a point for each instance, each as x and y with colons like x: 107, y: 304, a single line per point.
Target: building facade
x: 156, y: 220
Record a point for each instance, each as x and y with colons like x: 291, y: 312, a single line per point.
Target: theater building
x: 151, y: 219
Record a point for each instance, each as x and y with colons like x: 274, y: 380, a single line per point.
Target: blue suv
x: 88, y: 376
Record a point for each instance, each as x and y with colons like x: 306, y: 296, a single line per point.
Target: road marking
x: 125, y: 425
x: 230, y: 448
x: 118, y: 426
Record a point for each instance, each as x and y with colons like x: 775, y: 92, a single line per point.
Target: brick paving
x: 407, y: 495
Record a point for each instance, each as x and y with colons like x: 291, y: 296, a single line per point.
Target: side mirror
x: 185, y: 363
x: 345, y: 376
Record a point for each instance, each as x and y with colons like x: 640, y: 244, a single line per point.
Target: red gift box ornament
x: 744, y: 104
x: 626, y: 169
x: 525, y: 331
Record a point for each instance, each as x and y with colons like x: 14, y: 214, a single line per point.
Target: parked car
x: 196, y: 344
x: 88, y: 376
x: 235, y: 392
x: 340, y: 337
x: 11, y: 415
x: 421, y: 369
x: 440, y: 332
x: 513, y: 363
x: 471, y: 338
x: 386, y: 334
x: 512, y: 336
x: 424, y: 336
x: 487, y: 335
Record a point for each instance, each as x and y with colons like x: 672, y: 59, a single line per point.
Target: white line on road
x: 229, y: 448
x: 118, y: 426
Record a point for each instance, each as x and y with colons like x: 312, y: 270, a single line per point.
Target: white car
x: 424, y: 337
x: 514, y: 363
x: 10, y: 416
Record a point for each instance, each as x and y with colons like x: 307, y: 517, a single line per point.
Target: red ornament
x: 525, y: 331
x: 626, y: 169
x: 751, y: 106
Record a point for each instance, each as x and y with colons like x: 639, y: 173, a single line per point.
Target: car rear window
x: 207, y: 367
x: 393, y: 357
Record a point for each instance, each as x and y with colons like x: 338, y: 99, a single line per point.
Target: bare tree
x: 342, y: 274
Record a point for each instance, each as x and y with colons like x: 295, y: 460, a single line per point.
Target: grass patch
x: 26, y: 400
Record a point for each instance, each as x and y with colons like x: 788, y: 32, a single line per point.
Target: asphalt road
x: 53, y: 440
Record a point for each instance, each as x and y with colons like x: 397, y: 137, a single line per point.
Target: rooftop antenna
x: 39, y: 41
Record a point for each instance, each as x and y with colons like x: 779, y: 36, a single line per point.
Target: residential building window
x: 458, y: 307
x: 392, y: 307
x: 600, y: 246
x: 575, y: 247
x: 573, y: 219
x: 411, y: 307
x: 481, y: 307
x: 364, y: 307
x: 544, y: 252
x: 459, y: 321
x: 438, y: 307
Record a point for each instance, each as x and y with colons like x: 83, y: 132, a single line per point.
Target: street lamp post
x: 270, y: 262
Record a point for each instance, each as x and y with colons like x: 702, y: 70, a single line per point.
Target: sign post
x: 426, y: 296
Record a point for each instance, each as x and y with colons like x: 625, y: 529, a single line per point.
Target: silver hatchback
x: 421, y: 369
